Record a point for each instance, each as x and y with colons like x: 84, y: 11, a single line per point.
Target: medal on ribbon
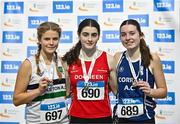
x: 134, y: 84
x: 87, y: 75
x: 135, y: 77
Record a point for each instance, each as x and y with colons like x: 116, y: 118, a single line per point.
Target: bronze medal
x: 134, y: 83
x: 86, y: 87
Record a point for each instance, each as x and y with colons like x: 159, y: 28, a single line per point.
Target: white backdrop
x: 19, y: 18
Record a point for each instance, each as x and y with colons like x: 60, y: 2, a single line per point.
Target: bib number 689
x: 129, y: 110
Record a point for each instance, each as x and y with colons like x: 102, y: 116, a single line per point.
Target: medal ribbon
x: 48, y: 73
x: 87, y: 76
x: 132, y: 68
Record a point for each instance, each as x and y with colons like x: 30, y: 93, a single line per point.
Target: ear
x: 78, y: 35
x: 141, y: 35
x: 98, y: 37
x: 39, y: 43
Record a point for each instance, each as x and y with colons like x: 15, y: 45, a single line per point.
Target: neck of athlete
x: 47, y: 58
x: 88, y: 54
x: 134, y: 54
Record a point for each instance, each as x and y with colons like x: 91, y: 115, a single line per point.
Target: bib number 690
x: 90, y: 93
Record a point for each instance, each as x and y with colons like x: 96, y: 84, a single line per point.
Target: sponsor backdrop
x: 19, y: 19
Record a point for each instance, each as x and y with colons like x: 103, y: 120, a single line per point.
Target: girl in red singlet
x: 90, y: 74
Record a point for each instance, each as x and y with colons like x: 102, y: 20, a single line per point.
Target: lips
x: 89, y: 44
x: 129, y: 43
x: 51, y: 47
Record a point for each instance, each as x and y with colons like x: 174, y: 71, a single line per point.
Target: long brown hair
x: 144, y: 49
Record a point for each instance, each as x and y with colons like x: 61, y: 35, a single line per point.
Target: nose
x: 127, y: 37
x: 89, y: 38
x: 51, y: 41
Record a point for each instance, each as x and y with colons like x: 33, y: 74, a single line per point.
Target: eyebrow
x: 127, y: 32
x: 90, y: 33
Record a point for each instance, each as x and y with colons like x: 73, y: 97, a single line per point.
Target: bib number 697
x: 53, y: 115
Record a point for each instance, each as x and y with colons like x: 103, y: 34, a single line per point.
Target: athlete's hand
x: 144, y: 86
x: 43, y: 84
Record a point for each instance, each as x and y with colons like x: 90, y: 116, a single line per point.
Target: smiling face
x: 130, y: 36
x: 89, y: 37
x: 49, y: 42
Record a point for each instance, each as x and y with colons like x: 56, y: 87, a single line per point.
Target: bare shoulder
x: 155, y: 57
x: 156, y: 61
x: 25, y: 68
x: 111, y: 60
x: 117, y: 55
x: 26, y: 64
x: 109, y: 57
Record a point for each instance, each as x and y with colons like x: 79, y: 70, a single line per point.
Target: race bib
x: 90, y: 90
x: 130, y: 107
x: 54, y: 112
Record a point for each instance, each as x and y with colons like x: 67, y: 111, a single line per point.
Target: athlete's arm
x: 116, y: 57
x: 113, y: 77
x: 68, y: 89
x: 161, y: 89
x: 21, y: 96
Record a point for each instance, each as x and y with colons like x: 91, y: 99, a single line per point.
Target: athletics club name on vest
x: 92, y: 77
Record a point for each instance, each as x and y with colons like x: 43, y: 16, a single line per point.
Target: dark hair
x: 43, y: 27
x: 144, y: 49
x: 72, y: 55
